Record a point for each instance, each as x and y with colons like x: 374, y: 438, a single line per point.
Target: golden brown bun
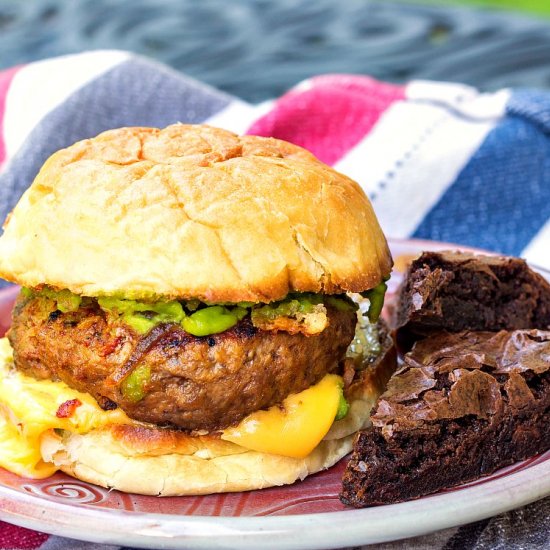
x: 192, y: 212
x: 154, y: 461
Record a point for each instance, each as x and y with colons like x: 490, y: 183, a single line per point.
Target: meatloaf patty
x: 194, y: 383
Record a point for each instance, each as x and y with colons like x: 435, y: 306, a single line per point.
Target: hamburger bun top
x: 192, y: 212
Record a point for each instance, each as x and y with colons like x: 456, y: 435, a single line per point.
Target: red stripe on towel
x: 12, y: 536
x: 6, y: 78
x: 329, y: 114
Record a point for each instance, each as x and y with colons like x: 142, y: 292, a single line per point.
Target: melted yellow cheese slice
x: 295, y: 427
x: 28, y: 409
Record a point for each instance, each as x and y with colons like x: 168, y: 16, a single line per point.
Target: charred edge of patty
x: 273, y: 364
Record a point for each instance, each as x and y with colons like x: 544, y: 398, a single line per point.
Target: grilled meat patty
x: 194, y: 383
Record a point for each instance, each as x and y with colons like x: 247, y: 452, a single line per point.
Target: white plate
x: 303, y: 515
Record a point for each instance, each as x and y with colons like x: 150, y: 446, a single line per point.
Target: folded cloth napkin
x: 438, y: 161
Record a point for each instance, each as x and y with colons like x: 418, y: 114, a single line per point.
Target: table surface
x: 257, y: 49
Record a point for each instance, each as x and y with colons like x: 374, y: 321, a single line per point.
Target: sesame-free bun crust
x: 192, y: 212
x: 154, y: 461
x: 218, y: 467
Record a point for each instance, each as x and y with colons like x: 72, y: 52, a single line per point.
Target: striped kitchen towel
x: 439, y: 161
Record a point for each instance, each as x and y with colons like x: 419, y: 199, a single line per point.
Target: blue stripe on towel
x: 533, y: 105
x: 137, y: 92
x: 501, y: 198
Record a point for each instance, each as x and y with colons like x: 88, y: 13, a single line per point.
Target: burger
x: 188, y: 318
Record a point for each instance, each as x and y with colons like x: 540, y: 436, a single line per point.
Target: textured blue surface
x: 501, y: 198
x: 532, y: 105
x: 257, y: 49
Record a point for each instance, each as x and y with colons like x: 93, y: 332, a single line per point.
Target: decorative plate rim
x: 355, y: 527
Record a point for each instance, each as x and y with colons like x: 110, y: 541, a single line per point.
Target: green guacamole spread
x: 65, y: 300
x: 376, y: 297
x: 343, y: 406
x: 201, y: 319
x: 195, y: 317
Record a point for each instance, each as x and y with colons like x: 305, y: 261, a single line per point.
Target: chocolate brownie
x: 461, y: 406
x: 458, y: 291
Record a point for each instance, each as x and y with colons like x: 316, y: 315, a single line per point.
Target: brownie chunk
x: 461, y: 406
x: 457, y: 291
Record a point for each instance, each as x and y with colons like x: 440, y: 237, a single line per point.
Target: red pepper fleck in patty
x: 67, y: 408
